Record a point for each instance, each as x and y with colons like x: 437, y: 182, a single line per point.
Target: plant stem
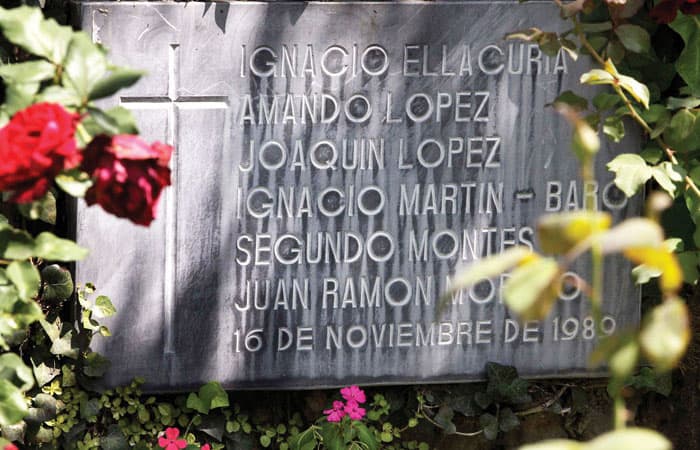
x: 82, y: 132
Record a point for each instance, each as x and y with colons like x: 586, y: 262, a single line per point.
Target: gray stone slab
x: 229, y: 283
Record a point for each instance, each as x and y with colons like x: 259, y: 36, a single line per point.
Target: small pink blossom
x: 353, y: 394
x: 170, y: 441
x: 337, y: 413
x: 205, y: 447
x: 353, y: 410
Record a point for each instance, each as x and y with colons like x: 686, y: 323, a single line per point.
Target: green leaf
x: 210, y: 396
x: 89, y: 409
x: 614, y: 128
x: 682, y: 124
x: 44, y: 408
x: 489, y: 423
x: 444, y: 418
x: 13, y: 369
x: 27, y: 72
x: 124, y: 119
x: 13, y: 408
x: 505, y: 386
x: 25, y: 276
x: 96, y: 365
x: 596, y: 27
x: 74, y: 182
x: 43, y: 209
x: 685, y: 102
x: 574, y: 101
x: 53, y: 248
x: 44, y: 374
x: 635, y: 38
x: 119, y: 77
x: 649, y: 380
x: 688, y: 62
x: 366, y: 437
x: 105, y: 308
x: 665, y: 334
x: 18, y: 96
x: 27, y: 28
x: 631, y: 172
x: 689, y: 262
x: 332, y: 437
x: 114, y: 440
x: 15, y: 244
x: 507, y: 420
x: 85, y: 65
x: 57, y: 283
x: 59, y: 94
x: 63, y: 346
x: 214, y: 395
x: 667, y: 175
x: 604, y: 100
x: 532, y: 289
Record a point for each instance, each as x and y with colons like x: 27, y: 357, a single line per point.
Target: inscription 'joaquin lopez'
x: 336, y: 164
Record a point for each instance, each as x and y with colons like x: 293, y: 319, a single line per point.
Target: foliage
x: 658, y: 88
x: 51, y: 77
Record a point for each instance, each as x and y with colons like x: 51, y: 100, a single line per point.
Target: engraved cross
x: 172, y: 102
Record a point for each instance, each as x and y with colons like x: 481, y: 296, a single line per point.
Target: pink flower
x: 10, y: 446
x: 205, y: 447
x: 353, y: 394
x: 337, y: 413
x: 171, y: 441
x: 353, y: 410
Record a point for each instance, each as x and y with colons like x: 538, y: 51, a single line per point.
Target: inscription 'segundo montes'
x: 335, y: 164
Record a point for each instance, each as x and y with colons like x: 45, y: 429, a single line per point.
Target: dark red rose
x: 667, y: 10
x: 128, y: 175
x: 35, y: 146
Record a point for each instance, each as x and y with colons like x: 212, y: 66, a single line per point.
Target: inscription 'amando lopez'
x: 336, y: 165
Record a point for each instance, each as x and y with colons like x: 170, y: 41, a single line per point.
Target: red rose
x: 35, y: 146
x: 10, y: 446
x: 128, y: 175
x: 667, y: 10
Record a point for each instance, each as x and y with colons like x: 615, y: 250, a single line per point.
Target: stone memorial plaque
x: 335, y: 165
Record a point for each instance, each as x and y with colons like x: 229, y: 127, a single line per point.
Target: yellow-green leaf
x: 26, y: 277
x: 532, y: 288
x: 666, y: 333
x: 559, y: 233
x: 661, y: 259
x: 631, y: 172
x: 491, y: 266
x: 597, y: 76
x: 632, y: 233
x: 629, y: 439
x: 555, y: 444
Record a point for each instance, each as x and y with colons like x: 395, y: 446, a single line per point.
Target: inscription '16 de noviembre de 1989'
x: 336, y: 165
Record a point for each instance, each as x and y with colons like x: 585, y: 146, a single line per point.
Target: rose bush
x: 35, y: 146
x: 55, y: 141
